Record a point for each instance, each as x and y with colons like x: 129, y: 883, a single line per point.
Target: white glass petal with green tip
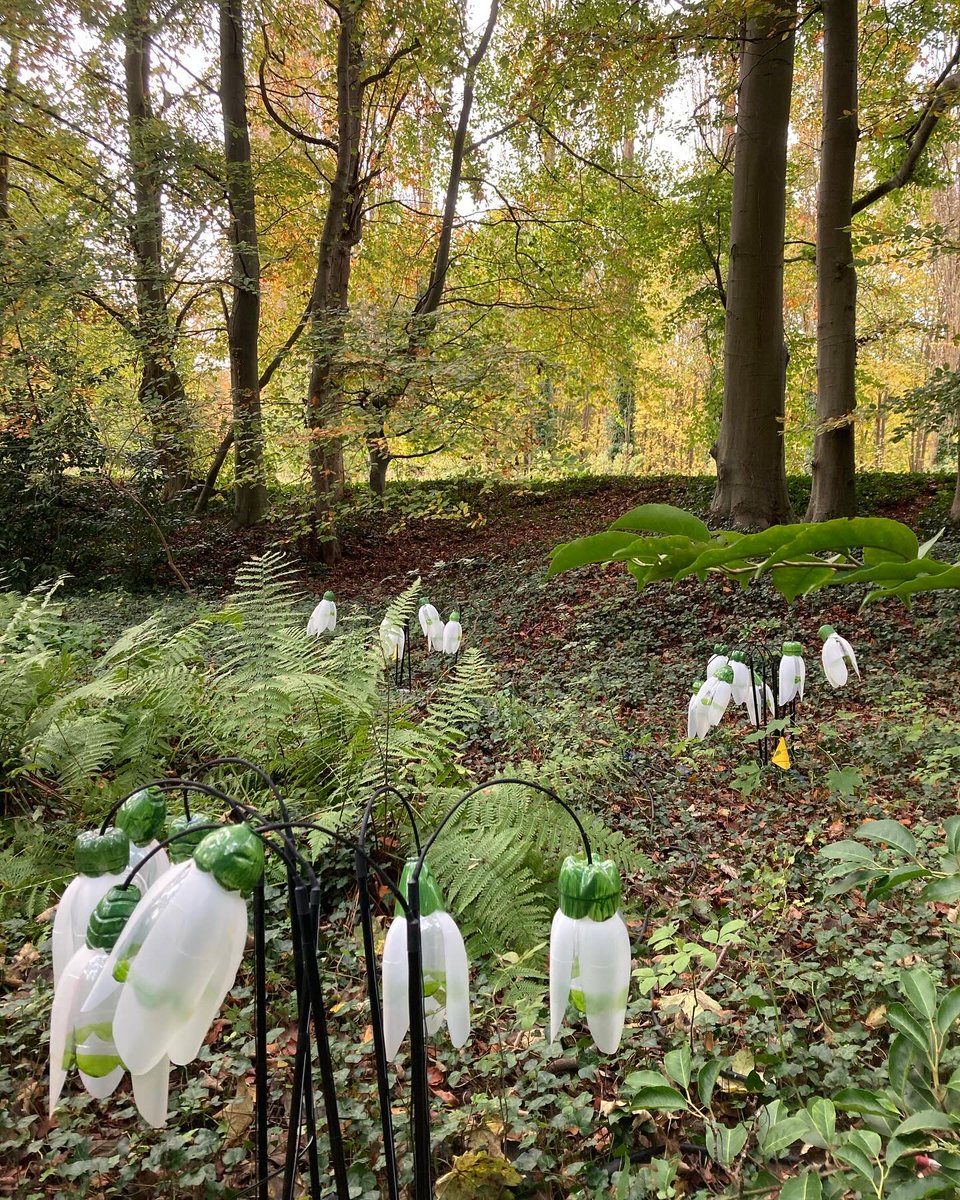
x: 759, y: 696
x: 185, y: 1045
x: 702, y: 708
x: 136, y: 931
x: 834, y: 666
x: 791, y: 678
x: 159, y: 865
x: 848, y: 653
x: 434, y: 971
x: 323, y: 619
x: 151, y: 1092
x: 173, y: 967
x: 82, y: 896
x: 457, y: 970
x: 62, y: 1022
x: 563, y: 952
x: 604, y: 953
x: 432, y: 626
x: 392, y: 639
x: 692, y: 716
x: 97, y: 1058
x: 715, y: 663
x: 741, y: 681
x: 396, y: 976
x: 452, y: 637
x: 720, y: 696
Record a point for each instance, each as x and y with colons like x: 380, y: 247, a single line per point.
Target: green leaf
x: 917, y: 1189
x: 783, y: 1134
x: 899, y: 1062
x: 920, y: 1122
x: 855, y: 879
x: 948, y: 1010
x: 843, y: 781
x: 859, y: 1100
x: 929, y: 583
x: 723, y: 1143
x: 707, y: 1078
x: 942, y: 891
x: 747, y: 545
x: 894, y: 880
x: 890, y: 574
x: 920, y: 991
x: 650, y: 550
x: 891, y: 832
x: 867, y: 1141
x: 905, y: 1023
x: 929, y: 544
x: 806, y: 1186
x: 677, y: 1065
x: 823, y: 1116
x: 855, y: 1155
x: 664, y: 518
x: 848, y: 533
x: 951, y: 828
x: 597, y: 548
x: 653, y: 1098
x: 848, y: 851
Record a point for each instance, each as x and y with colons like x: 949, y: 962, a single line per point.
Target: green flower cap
x: 109, y: 917
x: 589, y: 889
x: 792, y: 649
x: 328, y: 596
x: 827, y: 631
x: 183, y: 848
x: 697, y: 684
x: 725, y: 675
x: 720, y: 648
x: 233, y: 855
x: 454, y: 616
x: 142, y: 816
x: 102, y: 853
x: 738, y: 656
x: 431, y: 898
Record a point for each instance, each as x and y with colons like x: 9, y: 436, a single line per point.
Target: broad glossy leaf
x: 942, y: 891
x: 676, y: 1063
x: 748, y: 545
x: 653, y: 1098
x: 848, y: 851
x: 792, y: 582
x: 900, y: 1059
x: 597, y: 548
x: 859, y: 1100
x: 706, y: 1080
x: 921, y: 1122
x: 663, y: 518
x: 802, y: 1187
x: 920, y: 991
x: 891, y: 832
x: 783, y: 1134
x: 892, y: 573
x: 948, y: 1010
x: 906, y: 1023
x: 823, y: 1117
x: 927, y: 583
x: 849, y: 533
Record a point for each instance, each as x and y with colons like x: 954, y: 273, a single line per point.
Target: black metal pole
x: 376, y: 1024
x: 313, y: 1160
x: 260, y: 1037
x: 419, y: 1091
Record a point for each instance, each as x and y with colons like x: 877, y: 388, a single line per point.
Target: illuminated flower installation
x: 446, y: 981
x: 392, y: 640
x: 323, y: 619
x: 452, y: 634
x: 590, y: 951
x: 792, y: 674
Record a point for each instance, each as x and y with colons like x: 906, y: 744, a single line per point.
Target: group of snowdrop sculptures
x: 441, y: 638
x: 149, y: 936
x: 730, y: 678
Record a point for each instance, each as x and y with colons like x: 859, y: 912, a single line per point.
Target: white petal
x: 63, y: 947
x: 186, y: 1043
x: 458, y: 979
x: 151, y: 1091
x: 434, y: 971
x: 452, y: 637
x: 96, y: 1052
x: 173, y: 968
x: 396, y: 977
x: 719, y: 701
x: 563, y: 950
x: 135, y: 932
x: 692, y: 717
x: 605, y: 977
x: 62, y: 1020
x: 831, y: 656
x: 848, y: 651
x: 715, y: 663
x: 741, y: 682
x: 802, y: 674
x: 787, y: 683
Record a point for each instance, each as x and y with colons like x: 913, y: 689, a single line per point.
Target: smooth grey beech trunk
x: 243, y: 329
x: 162, y: 393
x: 751, y: 487
x: 834, y: 484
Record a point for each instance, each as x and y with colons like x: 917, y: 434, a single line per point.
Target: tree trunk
x: 378, y: 460
x: 751, y: 472
x: 955, y: 506
x: 162, y: 393
x: 834, y: 483
x: 330, y: 299
x: 243, y: 331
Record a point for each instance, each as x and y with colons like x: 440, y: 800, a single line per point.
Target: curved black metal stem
x: 234, y: 760
x: 174, y: 837
x: 482, y: 787
x: 192, y: 785
x: 387, y: 789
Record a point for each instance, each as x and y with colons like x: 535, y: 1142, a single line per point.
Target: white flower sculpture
x: 590, y: 952
x: 432, y: 626
x: 102, y: 862
x: 446, y: 978
x: 835, y: 655
x: 323, y: 619
x: 452, y: 634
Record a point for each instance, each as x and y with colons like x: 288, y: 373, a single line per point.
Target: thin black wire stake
x: 260, y: 1037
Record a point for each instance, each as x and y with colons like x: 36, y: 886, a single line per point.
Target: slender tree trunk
x: 162, y: 393
x: 834, y: 484
x: 243, y: 333
x: 330, y: 299
x: 751, y: 472
x: 955, y: 506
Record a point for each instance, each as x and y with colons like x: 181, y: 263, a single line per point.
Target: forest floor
x: 791, y: 1000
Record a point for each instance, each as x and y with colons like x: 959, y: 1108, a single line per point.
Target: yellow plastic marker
x: 782, y: 755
